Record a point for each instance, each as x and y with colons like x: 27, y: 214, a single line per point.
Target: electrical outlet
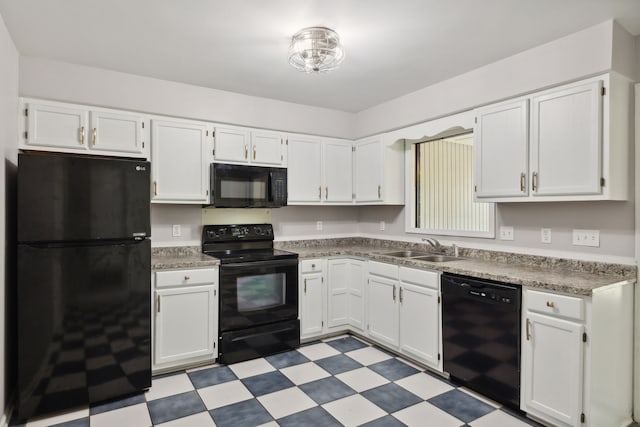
x: 545, y: 235
x: 382, y: 225
x: 506, y: 233
x: 175, y: 230
x: 586, y: 238
x: 319, y: 225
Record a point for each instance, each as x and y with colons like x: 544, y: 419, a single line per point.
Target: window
x: 443, y: 189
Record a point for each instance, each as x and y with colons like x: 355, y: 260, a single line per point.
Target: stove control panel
x: 218, y: 233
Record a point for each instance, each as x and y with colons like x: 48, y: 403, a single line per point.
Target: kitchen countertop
x: 553, y: 274
x: 181, y: 257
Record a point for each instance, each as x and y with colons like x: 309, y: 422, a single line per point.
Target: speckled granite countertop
x: 554, y: 274
x: 180, y: 257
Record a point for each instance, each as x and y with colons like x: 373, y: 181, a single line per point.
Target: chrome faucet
x: 434, y: 244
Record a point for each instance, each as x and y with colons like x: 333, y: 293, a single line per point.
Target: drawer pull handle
x: 313, y: 266
x: 551, y: 304
x: 528, y: 330
x: 187, y: 277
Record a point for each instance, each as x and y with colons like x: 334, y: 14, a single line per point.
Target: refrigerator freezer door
x: 84, y: 324
x: 81, y: 198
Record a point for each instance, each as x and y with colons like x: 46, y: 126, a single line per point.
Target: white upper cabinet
x: 241, y: 145
x: 501, y: 133
x: 69, y: 128
x: 337, y: 166
x: 232, y: 144
x: 304, y: 172
x: 180, y: 161
x: 566, y: 136
x: 319, y: 170
x: 573, y: 144
x: 116, y: 132
x: 378, y: 171
x: 268, y: 148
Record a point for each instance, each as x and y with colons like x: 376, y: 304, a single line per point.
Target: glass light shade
x: 315, y: 49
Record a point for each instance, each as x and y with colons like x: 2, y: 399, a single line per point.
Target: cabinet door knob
x: 313, y: 266
x: 187, y: 277
x: 551, y: 304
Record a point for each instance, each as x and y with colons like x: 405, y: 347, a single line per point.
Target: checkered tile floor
x: 339, y: 382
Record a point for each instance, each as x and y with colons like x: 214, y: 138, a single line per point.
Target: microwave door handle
x: 270, y: 195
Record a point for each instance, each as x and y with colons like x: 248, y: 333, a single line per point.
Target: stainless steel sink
x: 405, y: 254
x: 438, y: 258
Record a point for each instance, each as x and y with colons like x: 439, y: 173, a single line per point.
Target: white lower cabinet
x: 345, y: 293
x: 420, y: 320
x: 185, y: 317
x: 311, y: 297
x: 404, y: 311
x: 382, y: 304
x: 577, y: 357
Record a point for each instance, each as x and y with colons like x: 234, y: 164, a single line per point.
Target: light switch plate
x: 545, y: 235
x: 506, y: 233
x: 586, y: 238
x: 175, y: 230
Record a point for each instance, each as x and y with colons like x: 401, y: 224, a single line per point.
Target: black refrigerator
x: 84, y: 280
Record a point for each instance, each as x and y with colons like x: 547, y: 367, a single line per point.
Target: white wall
x: 9, y: 143
x: 581, y: 54
x: 43, y: 78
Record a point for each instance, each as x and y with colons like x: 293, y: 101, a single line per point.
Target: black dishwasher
x: 481, y: 336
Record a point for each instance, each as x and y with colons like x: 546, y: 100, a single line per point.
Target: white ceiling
x: 393, y: 47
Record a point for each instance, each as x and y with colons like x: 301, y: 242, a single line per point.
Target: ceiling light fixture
x: 315, y: 49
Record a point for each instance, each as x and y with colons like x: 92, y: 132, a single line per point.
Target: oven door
x: 258, y: 293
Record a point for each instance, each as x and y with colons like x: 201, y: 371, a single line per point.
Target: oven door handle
x: 267, y: 263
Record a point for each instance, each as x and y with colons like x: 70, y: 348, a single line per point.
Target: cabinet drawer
x: 186, y: 277
x: 382, y: 269
x: 310, y: 265
x: 554, y: 304
x: 429, y: 279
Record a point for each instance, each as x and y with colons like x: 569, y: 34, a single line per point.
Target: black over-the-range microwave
x: 242, y: 186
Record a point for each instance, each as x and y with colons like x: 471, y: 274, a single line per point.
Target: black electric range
x: 258, y: 303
